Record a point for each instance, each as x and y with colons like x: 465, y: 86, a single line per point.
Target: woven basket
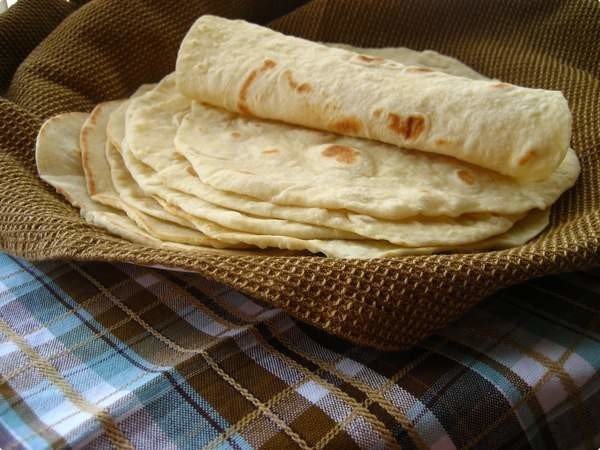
x: 107, y: 48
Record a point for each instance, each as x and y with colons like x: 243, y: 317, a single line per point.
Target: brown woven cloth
x: 21, y: 30
x: 107, y: 48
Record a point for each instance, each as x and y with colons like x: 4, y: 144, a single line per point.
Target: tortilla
x: 58, y: 160
x: 289, y: 165
x: 157, y: 153
x: 248, y: 69
x: 100, y: 180
x: 163, y: 194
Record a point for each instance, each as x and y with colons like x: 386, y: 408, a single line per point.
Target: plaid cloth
x: 99, y: 355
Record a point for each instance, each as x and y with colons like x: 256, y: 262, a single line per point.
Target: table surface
x: 118, y: 356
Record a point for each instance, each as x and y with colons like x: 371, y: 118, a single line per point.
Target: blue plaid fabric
x: 98, y: 355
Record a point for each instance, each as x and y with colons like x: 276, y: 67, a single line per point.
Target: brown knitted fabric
x: 107, y: 48
x: 23, y: 27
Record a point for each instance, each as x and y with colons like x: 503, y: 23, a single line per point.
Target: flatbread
x: 289, y: 165
x: 179, y: 175
x: 115, y: 128
x: 59, y: 163
x: 413, y: 232
x: 523, y: 231
x: 100, y: 180
x: 58, y: 160
x: 422, y: 58
x: 252, y: 70
x: 171, y: 200
x: 144, y: 180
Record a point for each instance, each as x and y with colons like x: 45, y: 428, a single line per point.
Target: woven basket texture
x: 106, y: 48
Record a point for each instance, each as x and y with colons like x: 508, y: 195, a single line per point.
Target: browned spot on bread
x: 500, y: 85
x: 290, y: 79
x: 300, y: 88
x: 377, y: 113
x: 347, y: 125
x: 304, y: 88
x: 243, y: 108
x: 441, y: 141
x: 395, y: 123
x: 236, y: 135
x: 252, y: 76
x: 369, y: 59
x: 527, y: 157
x: 270, y: 151
x: 342, y: 154
x: 190, y: 170
x: 268, y: 64
x: 414, y: 127
x: 466, y: 176
x: 410, y: 127
x: 418, y: 69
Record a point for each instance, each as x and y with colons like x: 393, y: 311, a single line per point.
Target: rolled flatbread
x: 520, y: 132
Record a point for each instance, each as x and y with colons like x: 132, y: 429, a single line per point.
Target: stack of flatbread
x: 264, y: 141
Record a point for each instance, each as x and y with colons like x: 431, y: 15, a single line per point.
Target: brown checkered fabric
x: 107, y: 48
